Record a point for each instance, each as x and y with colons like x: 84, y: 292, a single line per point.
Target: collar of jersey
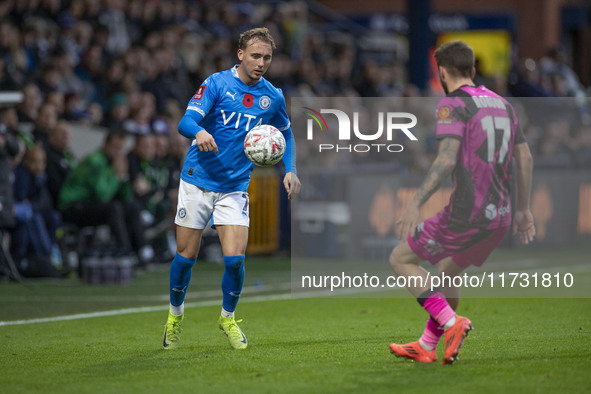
x: 235, y: 74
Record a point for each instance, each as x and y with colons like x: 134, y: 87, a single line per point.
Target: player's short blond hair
x: 259, y: 33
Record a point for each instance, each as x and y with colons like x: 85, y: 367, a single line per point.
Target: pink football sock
x: 432, y: 333
x: 436, y: 305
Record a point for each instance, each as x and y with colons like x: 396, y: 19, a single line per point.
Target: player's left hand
x: 407, y: 222
x: 523, y: 226
x: 292, y: 185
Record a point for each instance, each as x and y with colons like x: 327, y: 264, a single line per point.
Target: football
x: 264, y: 145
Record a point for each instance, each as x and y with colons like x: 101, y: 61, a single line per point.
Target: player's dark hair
x: 457, y: 58
x: 259, y: 33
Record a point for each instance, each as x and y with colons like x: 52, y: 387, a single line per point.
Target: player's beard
x: 443, y: 84
x: 258, y: 76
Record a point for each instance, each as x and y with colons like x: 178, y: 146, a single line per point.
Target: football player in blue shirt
x: 216, y: 173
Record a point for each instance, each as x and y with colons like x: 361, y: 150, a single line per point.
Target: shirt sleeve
x: 449, y: 119
x: 200, y: 104
x: 519, y: 136
x: 281, y: 120
x: 282, y: 123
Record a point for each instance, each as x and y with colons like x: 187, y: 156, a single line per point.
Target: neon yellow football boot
x: 172, y: 330
x: 235, y: 336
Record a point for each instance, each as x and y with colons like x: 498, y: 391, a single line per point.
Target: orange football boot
x: 413, y: 351
x: 454, y: 337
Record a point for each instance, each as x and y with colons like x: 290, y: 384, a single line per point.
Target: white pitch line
x: 144, y: 309
x: 117, y: 312
x: 194, y: 295
x: 260, y: 298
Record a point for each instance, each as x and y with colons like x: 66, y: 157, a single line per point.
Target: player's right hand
x: 205, y: 142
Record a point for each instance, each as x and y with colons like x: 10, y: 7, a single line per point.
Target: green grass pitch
x: 295, y: 345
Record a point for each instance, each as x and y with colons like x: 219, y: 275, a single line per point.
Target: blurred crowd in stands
x: 130, y: 67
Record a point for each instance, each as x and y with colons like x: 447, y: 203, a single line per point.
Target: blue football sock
x: 180, y: 276
x: 232, y: 281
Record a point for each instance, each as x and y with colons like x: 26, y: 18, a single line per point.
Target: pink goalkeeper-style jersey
x: 488, y: 128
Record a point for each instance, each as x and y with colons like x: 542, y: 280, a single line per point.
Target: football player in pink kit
x: 478, y: 136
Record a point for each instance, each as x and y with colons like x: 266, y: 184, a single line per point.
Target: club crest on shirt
x: 443, y: 115
x: 265, y: 102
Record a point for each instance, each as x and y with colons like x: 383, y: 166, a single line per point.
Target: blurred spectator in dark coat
x: 60, y: 159
x: 37, y: 219
x: 117, y: 111
x: 44, y: 123
x: 9, y: 124
x: 7, y: 82
x: 32, y: 100
x: 8, y: 149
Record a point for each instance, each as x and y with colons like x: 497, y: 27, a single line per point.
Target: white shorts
x: 197, y: 206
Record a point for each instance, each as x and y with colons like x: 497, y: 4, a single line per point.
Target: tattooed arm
x: 441, y: 168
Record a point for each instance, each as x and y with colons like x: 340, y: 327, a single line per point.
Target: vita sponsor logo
x: 239, y: 119
x: 388, y: 122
